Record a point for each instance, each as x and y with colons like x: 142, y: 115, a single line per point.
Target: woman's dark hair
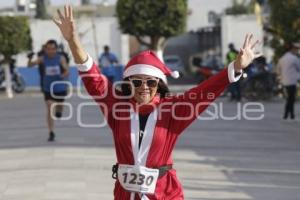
x: 162, y: 89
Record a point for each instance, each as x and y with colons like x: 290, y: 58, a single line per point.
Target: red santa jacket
x: 175, y: 113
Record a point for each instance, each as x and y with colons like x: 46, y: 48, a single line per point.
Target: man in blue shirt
x: 55, y: 72
x: 107, y: 61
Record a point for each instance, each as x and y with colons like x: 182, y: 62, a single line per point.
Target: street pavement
x: 215, y: 159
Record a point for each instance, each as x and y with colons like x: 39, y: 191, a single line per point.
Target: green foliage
x: 240, y: 7
x: 14, y: 35
x: 284, y: 24
x: 152, y: 18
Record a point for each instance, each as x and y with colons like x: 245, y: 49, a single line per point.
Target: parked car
x: 175, y: 63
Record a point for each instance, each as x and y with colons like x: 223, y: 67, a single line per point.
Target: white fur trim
x: 87, y: 65
x: 175, y: 74
x: 140, y: 155
x: 231, y: 73
x: 146, y: 70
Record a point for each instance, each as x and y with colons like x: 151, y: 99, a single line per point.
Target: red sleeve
x: 100, y: 88
x: 188, y: 106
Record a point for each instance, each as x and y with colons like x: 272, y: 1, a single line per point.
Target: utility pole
x: 95, y: 37
x: 8, y: 84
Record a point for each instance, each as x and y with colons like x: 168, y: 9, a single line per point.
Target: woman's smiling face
x: 144, y: 87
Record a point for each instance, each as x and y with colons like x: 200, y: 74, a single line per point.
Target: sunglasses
x: 138, y: 82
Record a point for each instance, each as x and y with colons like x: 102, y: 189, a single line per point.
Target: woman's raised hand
x: 66, y: 23
x: 247, y: 54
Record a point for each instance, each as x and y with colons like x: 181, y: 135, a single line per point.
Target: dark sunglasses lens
x: 151, y: 83
x: 137, y: 83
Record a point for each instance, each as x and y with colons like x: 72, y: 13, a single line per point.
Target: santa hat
x: 147, y: 63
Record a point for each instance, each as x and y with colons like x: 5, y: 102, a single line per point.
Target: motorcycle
x: 261, y: 86
x: 17, y: 81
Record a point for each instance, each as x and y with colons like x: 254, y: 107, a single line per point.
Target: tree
x: 154, y: 20
x: 284, y: 25
x: 14, y: 38
x: 41, y: 11
x: 14, y: 35
x: 240, y: 7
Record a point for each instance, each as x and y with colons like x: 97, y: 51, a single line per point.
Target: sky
x: 199, y: 8
x: 10, y: 3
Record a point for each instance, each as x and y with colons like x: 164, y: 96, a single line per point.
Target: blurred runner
x: 55, y: 68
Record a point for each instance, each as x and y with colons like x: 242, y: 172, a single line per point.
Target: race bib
x: 138, y: 178
x: 52, y: 70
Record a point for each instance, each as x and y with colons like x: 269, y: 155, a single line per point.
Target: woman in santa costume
x: 145, y: 122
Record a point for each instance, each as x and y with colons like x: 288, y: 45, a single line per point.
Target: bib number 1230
x: 138, y: 178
